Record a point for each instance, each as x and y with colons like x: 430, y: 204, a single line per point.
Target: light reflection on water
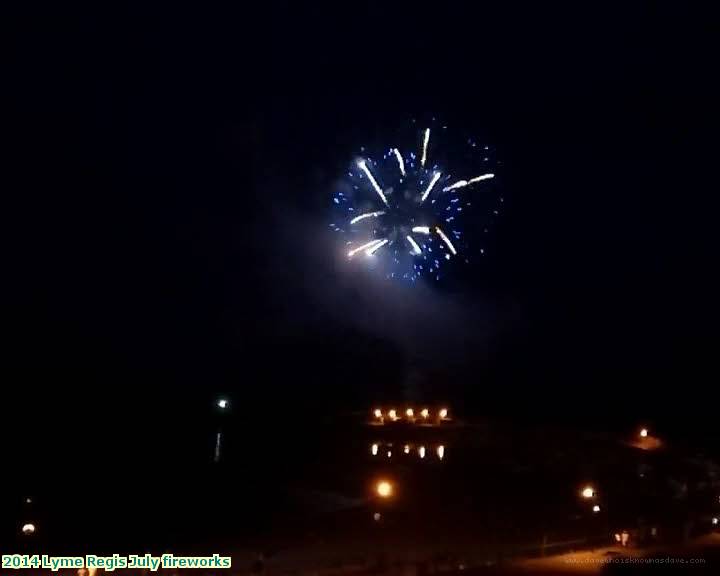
x: 408, y: 450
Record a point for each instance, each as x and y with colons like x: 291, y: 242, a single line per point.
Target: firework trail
x: 435, y: 178
x: 416, y: 247
x: 363, y: 247
x: 463, y: 183
x: 446, y: 240
x: 426, y: 140
x: 374, y: 183
x: 400, y: 160
x: 366, y: 215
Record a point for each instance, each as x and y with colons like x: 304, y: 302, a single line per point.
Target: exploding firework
x: 406, y: 209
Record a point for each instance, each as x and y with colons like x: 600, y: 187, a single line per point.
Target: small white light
x: 377, y: 516
x: 378, y: 413
x: 392, y: 414
x: 715, y: 521
x: 443, y: 413
x: 28, y: 500
x: 409, y: 413
x: 222, y: 403
x: 421, y: 451
x: 389, y: 453
x: 596, y: 508
x: 407, y: 449
x: 374, y: 449
x: 425, y: 413
x: 643, y: 433
x: 441, y: 451
x: 28, y: 528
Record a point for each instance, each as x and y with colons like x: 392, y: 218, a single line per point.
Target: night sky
x: 166, y: 207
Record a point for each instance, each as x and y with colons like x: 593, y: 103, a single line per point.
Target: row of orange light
x: 421, y: 450
x: 393, y: 415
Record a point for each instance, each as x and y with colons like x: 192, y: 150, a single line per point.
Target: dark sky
x: 170, y: 168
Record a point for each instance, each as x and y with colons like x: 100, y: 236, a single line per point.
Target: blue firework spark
x: 405, y: 213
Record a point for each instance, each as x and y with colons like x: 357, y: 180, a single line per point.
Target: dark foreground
x: 501, y: 499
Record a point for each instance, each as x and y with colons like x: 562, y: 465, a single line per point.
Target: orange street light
x: 384, y: 489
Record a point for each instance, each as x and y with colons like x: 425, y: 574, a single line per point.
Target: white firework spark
x: 435, y: 178
x: 363, y: 247
x: 480, y: 178
x: 446, y: 240
x: 414, y: 244
x: 463, y: 183
x: 421, y: 229
x: 370, y: 251
x: 374, y: 183
x: 367, y: 215
x: 456, y: 185
x: 426, y: 139
x: 400, y: 160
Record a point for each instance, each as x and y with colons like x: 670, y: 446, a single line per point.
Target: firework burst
x: 406, y: 212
